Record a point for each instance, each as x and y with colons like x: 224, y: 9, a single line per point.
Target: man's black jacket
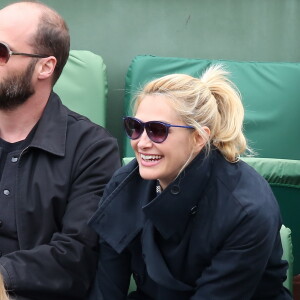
x: 60, y: 179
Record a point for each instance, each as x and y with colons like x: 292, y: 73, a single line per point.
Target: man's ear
x: 199, y: 141
x: 46, y: 67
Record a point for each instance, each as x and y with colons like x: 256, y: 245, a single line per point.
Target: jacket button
x: 6, y: 192
x: 14, y: 159
x: 193, y: 210
x: 175, y: 190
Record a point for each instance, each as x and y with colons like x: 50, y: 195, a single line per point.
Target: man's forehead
x: 18, y: 20
x: 20, y: 13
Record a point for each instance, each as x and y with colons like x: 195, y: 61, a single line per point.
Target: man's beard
x: 17, y: 88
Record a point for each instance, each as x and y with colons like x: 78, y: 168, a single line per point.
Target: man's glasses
x: 157, y: 131
x: 6, y: 53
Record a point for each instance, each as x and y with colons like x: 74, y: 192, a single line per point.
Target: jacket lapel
x: 126, y: 202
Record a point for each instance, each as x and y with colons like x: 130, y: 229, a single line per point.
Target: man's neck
x: 16, y: 124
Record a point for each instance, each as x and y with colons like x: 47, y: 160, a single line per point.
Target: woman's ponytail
x: 227, y: 124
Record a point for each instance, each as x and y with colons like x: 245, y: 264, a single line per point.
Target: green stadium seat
x: 82, y: 85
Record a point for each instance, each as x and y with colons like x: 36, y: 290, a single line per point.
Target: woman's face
x: 162, y: 161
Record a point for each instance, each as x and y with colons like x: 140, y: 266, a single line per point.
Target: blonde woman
x: 187, y: 218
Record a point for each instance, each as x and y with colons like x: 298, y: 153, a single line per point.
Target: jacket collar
x: 178, y: 203
x: 51, y: 130
x: 134, y: 201
x: 125, y: 202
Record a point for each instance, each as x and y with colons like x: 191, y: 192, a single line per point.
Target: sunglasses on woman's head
x: 157, y: 131
x: 6, y: 53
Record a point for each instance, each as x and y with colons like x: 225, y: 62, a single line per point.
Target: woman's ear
x: 46, y: 67
x: 199, y: 141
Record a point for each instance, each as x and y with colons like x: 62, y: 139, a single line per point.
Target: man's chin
x: 11, y: 104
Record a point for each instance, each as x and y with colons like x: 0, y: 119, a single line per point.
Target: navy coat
x: 211, y: 234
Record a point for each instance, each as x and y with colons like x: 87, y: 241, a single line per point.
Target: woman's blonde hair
x: 3, y: 294
x: 211, y: 100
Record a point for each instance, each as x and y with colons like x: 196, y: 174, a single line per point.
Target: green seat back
x: 270, y: 93
x: 286, y: 240
x: 82, y: 85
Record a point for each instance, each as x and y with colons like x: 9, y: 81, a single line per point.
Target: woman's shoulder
x: 238, y: 197
x: 245, y: 187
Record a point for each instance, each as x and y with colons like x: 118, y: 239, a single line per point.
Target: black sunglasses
x: 157, y: 131
x: 6, y: 53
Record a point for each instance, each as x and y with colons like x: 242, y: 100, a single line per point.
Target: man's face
x: 16, y: 83
x: 16, y: 88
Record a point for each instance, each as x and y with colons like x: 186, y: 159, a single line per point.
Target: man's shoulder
x: 75, y: 118
x: 78, y: 124
x: 75, y: 121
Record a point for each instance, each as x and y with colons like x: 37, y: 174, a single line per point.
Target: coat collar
x: 51, y: 130
x: 172, y: 209
x: 134, y: 202
x: 119, y: 217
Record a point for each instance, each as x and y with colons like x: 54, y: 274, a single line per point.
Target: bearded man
x: 54, y: 163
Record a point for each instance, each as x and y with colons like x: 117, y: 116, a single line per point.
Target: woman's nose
x: 144, y: 141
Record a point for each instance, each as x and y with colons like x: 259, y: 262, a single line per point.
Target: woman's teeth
x: 150, y: 157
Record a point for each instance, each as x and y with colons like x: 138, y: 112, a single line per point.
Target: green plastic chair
x: 286, y: 240
x: 82, y: 85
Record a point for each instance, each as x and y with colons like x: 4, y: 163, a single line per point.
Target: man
x: 54, y: 163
